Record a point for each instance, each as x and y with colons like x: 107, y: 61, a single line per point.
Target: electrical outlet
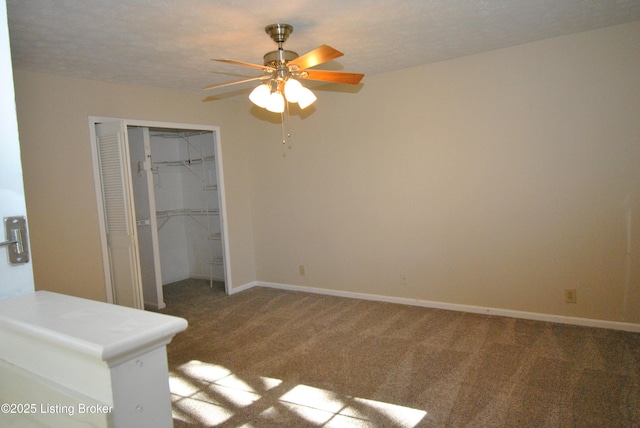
x: 570, y: 295
x: 301, y: 271
x: 403, y: 279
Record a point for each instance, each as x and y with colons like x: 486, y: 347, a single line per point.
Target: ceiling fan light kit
x: 282, y: 71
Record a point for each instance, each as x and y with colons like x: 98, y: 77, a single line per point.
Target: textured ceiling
x: 169, y: 44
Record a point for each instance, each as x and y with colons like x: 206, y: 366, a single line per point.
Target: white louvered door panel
x: 117, y: 199
x: 113, y: 189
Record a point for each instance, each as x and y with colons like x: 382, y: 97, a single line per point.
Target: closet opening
x: 161, y: 201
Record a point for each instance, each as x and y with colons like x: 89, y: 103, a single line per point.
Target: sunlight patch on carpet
x: 316, y: 404
x: 210, y: 394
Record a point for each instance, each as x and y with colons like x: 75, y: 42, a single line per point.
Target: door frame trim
x: 93, y: 120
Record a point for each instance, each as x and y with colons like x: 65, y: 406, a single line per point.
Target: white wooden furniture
x: 107, y: 364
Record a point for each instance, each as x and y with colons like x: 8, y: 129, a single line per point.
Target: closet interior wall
x: 187, y: 204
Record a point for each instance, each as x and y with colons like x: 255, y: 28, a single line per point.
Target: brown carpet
x: 273, y: 358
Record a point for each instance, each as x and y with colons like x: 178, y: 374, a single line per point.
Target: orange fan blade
x: 333, y: 76
x: 245, y: 64
x: 234, y: 82
x: 317, y: 56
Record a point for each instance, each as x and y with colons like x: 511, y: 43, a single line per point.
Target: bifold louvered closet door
x: 122, y: 246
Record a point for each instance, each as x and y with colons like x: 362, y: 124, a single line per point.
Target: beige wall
x: 496, y: 180
x: 53, y: 114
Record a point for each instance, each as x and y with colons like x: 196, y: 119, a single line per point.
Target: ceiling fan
x: 283, y: 69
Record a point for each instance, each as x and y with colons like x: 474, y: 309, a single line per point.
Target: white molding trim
x: 93, y: 120
x: 244, y: 287
x: 560, y: 319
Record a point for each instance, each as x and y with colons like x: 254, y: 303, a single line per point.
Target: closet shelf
x: 172, y: 133
x: 165, y: 216
x: 186, y: 162
x: 171, y: 213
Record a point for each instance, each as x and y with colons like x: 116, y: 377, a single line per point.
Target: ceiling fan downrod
x: 279, y: 33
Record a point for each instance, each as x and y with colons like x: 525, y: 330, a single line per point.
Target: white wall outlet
x: 403, y: 279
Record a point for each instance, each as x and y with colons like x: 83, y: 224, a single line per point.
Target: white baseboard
x: 560, y: 319
x: 244, y: 287
x: 207, y: 277
x: 154, y: 306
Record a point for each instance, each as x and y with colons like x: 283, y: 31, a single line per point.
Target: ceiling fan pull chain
x: 284, y: 117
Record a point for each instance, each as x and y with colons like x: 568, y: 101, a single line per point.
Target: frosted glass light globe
x: 260, y: 95
x: 293, y: 90
x: 306, y: 98
x: 276, y: 102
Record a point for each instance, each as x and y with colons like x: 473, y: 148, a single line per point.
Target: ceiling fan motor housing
x: 281, y: 56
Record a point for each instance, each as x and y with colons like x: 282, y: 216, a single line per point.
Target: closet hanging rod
x: 171, y: 213
x: 165, y: 216
x: 186, y: 161
x: 169, y: 133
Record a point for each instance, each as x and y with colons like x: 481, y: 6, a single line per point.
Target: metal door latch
x: 15, y: 229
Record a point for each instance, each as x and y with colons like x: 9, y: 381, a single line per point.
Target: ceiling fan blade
x: 234, y: 82
x: 317, y: 56
x: 334, y: 76
x: 244, y: 64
